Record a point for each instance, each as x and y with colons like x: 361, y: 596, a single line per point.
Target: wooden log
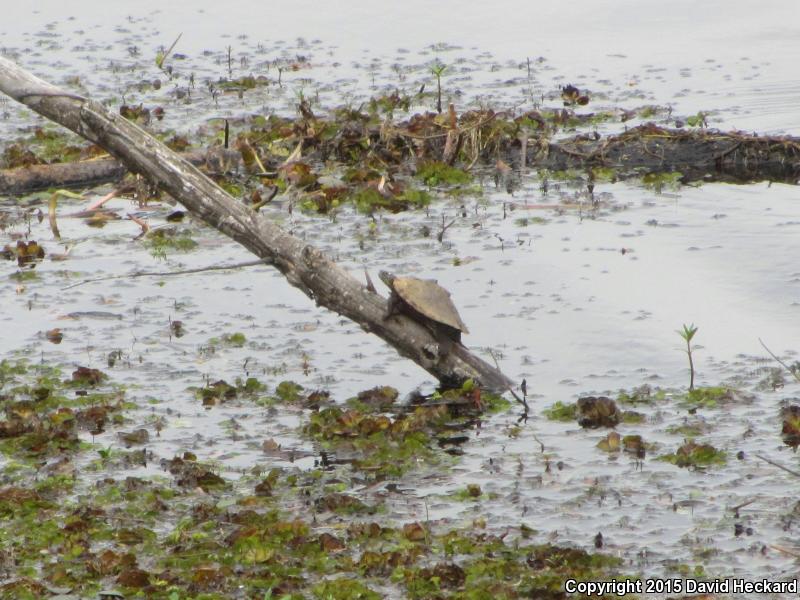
x: 303, y: 265
x: 697, y: 154
x: 85, y: 173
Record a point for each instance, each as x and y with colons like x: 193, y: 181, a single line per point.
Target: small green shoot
x: 698, y: 120
x: 437, y: 70
x: 687, y: 333
x: 105, y: 453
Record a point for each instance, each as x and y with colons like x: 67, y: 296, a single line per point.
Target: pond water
x: 549, y: 291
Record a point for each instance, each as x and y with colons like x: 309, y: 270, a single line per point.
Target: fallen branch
x: 135, y: 274
x: 685, y: 154
x: 779, y: 361
x: 85, y: 173
x: 779, y: 465
x: 785, y: 550
x: 695, y: 154
x: 303, y: 265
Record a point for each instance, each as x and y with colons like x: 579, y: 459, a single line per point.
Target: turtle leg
x: 446, y: 337
x: 393, y: 307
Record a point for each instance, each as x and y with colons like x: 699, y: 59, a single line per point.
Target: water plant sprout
x: 687, y: 333
x: 438, y: 69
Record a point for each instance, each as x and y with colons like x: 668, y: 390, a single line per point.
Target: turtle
x: 425, y: 301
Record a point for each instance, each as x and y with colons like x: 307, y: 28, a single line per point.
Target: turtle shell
x: 430, y: 300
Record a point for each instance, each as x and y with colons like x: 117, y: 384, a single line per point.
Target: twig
x: 161, y: 58
x: 252, y: 150
x: 783, y: 364
x: 141, y: 223
x: 725, y: 153
x: 51, y: 216
x: 296, y: 154
x: 779, y: 465
x: 265, y: 200
x: 445, y: 227
x: 250, y: 263
x: 549, y: 206
x: 785, y: 550
x: 742, y: 505
x: 98, y: 203
x: 370, y: 285
x: 522, y: 401
x: 575, y: 153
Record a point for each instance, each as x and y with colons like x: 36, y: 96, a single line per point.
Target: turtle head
x: 387, y: 278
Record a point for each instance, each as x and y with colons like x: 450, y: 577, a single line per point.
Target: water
x: 712, y: 56
x: 558, y: 302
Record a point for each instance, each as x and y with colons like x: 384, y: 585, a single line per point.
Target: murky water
x: 551, y: 292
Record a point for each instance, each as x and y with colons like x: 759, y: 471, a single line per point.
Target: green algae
x: 561, y: 411
x: 434, y: 173
x: 694, y: 455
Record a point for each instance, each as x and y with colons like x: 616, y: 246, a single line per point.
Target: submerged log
x: 695, y: 154
x: 24, y: 180
x: 303, y: 265
x: 698, y: 155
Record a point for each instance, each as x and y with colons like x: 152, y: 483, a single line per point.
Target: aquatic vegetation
x: 388, y: 103
x: 560, y: 411
x: 650, y: 111
x: 44, y: 417
x: 790, y: 427
x: 710, y: 397
x: 343, y: 589
x: 47, y: 145
x: 698, y: 120
x: 220, y: 391
x: 236, y: 340
x: 437, y: 70
x: 369, y: 199
x: 210, y: 529
x: 379, y: 445
x: 378, y: 399
x: 610, y: 443
x: 434, y: 173
x: 604, y: 174
x: 288, y: 392
x: 217, y: 392
x: 243, y: 536
x: 27, y: 254
x: 494, y: 569
x: 597, y: 411
x: 644, y: 394
x: 660, y: 181
x: 631, y: 417
x: 635, y: 444
x: 525, y: 221
x: 688, y: 430
x: 571, y: 96
x: 165, y: 239
x: 694, y: 455
x: 471, y: 492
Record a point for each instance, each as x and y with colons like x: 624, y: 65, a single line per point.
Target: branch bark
x: 24, y: 180
x: 303, y: 265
